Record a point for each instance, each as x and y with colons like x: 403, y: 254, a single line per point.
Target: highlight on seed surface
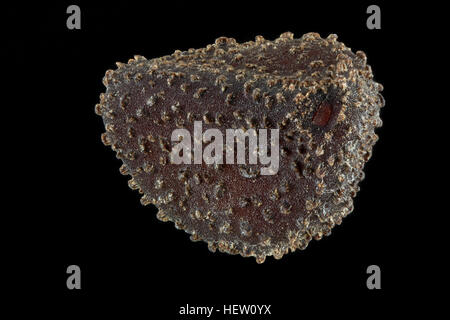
x: 316, y: 92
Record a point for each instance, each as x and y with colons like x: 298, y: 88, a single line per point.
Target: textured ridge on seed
x: 319, y: 94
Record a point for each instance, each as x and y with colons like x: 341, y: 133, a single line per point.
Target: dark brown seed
x: 316, y: 91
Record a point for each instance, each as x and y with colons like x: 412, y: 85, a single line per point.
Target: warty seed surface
x: 317, y: 92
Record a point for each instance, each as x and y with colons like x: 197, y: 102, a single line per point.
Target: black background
x: 79, y: 209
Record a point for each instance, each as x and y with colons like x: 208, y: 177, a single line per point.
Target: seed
x: 317, y: 92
